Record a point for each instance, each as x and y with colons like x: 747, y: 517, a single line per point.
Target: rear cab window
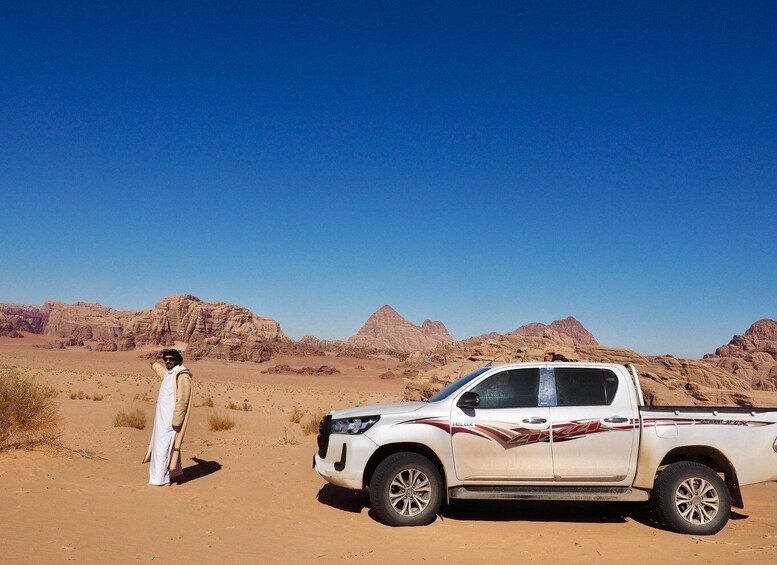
x: 583, y: 386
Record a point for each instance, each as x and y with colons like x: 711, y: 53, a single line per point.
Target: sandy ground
x: 252, y: 496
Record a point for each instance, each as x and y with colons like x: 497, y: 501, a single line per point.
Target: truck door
x: 507, y: 436
x: 594, y: 426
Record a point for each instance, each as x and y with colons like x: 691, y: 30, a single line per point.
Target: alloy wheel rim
x: 697, y: 501
x: 410, y: 492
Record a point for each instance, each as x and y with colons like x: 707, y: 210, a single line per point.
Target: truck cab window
x: 516, y: 388
x: 584, y: 386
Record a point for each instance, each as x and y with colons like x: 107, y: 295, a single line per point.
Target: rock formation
x: 665, y: 379
x: 84, y: 321
x: 431, y: 357
x: 752, y: 356
x: 209, y: 329
x: 16, y: 318
x: 568, y: 326
x: 386, y: 330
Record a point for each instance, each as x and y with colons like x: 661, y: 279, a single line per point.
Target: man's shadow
x: 201, y: 468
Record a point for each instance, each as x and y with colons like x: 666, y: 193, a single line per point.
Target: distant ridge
x: 226, y: 331
x: 209, y: 329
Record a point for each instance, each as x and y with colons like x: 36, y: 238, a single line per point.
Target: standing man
x: 172, y: 413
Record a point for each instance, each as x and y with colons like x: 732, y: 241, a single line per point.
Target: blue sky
x: 486, y: 164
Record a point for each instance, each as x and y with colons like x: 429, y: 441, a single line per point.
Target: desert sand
x: 252, y: 496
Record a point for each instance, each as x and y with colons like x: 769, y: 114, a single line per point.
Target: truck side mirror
x: 468, y: 400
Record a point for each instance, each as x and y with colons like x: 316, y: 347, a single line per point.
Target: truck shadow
x: 515, y: 511
x: 563, y: 512
x: 547, y: 511
x: 343, y: 499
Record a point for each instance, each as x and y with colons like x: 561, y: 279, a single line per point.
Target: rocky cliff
x: 569, y: 327
x: 386, y: 330
x: 209, y: 329
x: 17, y: 318
x: 84, y: 321
x: 665, y: 379
x: 751, y: 356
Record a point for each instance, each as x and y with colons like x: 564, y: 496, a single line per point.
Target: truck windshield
x: 456, y: 385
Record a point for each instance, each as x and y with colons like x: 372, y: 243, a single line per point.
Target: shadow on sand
x: 343, y: 499
x: 516, y: 511
x: 201, y: 468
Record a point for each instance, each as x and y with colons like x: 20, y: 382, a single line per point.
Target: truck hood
x: 379, y: 410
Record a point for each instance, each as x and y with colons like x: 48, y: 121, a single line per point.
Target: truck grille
x: 324, y: 430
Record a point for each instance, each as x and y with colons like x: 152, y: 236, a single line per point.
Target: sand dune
x: 252, y: 497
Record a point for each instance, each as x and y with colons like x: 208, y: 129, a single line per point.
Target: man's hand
x: 177, y: 429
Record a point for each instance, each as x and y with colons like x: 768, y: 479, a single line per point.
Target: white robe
x: 163, y: 435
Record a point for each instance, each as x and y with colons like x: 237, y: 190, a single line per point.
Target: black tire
x: 692, y: 499
x: 406, y: 490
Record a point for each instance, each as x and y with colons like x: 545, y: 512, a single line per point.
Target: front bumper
x: 345, y: 460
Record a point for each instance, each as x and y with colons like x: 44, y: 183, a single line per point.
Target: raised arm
x: 159, y: 369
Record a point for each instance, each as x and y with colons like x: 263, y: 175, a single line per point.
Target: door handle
x: 534, y: 420
x: 616, y: 420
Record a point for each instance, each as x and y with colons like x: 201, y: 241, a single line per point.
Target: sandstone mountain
x: 84, y: 321
x: 209, y: 329
x: 731, y: 375
x: 746, y: 364
x: 387, y: 330
x: 17, y: 318
x: 568, y: 326
x: 751, y: 356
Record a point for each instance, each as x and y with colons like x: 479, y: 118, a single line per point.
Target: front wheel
x: 692, y: 499
x: 406, y: 490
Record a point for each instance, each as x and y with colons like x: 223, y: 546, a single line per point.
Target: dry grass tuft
x: 134, y: 419
x: 296, y: 415
x: 310, y: 424
x: 286, y: 439
x: 28, y: 412
x: 245, y: 407
x: 219, y: 423
x: 207, y: 402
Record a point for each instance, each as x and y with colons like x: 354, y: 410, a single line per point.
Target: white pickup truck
x: 550, y: 431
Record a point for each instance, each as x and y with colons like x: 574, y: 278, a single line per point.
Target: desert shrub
x: 132, y: 419
x: 310, y: 424
x: 286, y: 439
x: 28, y: 412
x: 207, y: 402
x: 246, y: 407
x: 218, y: 423
x: 98, y: 397
x: 296, y: 415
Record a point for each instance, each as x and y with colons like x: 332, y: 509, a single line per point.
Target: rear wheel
x: 406, y: 490
x: 692, y: 499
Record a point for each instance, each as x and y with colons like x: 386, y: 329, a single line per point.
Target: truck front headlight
x: 353, y: 425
